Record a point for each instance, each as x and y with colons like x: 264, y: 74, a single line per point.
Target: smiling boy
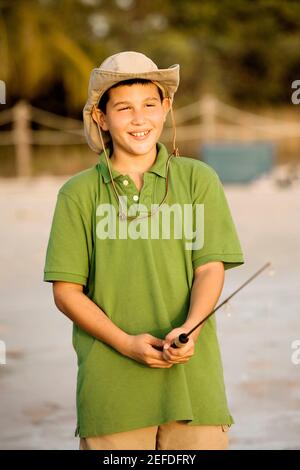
x: 134, y: 141
x: 130, y: 296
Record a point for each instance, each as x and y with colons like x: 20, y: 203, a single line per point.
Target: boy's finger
x: 157, y: 354
x: 156, y: 341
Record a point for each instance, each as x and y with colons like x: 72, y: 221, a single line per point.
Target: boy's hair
x: 105, y: 97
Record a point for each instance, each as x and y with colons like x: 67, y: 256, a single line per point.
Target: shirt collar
x: 158, y: 167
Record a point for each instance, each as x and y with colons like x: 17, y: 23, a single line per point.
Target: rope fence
x: 217, y: 121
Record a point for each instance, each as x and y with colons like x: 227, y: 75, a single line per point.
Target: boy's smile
x: 140, y: 135
x: 134, y: 117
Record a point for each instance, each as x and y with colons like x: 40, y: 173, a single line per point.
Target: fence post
x: 208, y: 108
x: 22, y: 138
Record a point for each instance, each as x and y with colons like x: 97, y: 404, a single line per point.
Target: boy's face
x: 135, y: 117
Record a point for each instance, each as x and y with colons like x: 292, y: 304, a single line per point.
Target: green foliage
x: 245, y: 51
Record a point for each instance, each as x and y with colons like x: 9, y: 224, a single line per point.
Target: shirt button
x: 135, y: 198
x: 125, y: 182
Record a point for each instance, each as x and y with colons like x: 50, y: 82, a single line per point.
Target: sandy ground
x: 37, y: 408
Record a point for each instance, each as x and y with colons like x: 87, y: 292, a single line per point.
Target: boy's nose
x: 138, y: 117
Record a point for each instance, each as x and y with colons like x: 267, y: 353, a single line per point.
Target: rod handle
x: 180, y: 341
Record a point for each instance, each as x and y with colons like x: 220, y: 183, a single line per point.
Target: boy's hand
x: 142, y: 348
x: 177, y: 355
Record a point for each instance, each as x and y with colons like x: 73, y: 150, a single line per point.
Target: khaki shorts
x: 176, y: 435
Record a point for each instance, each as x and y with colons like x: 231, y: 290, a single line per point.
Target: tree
x: 37, y: 50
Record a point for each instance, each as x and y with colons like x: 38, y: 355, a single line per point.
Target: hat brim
x: 102, y: 80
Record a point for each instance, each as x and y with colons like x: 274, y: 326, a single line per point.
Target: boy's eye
x: 128, y: 107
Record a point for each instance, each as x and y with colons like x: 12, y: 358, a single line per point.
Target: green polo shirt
x: 140, y: 273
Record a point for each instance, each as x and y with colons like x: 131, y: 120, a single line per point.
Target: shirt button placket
x: 129, y: 191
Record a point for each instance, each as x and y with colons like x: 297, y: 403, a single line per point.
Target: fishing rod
x: 184, y: 337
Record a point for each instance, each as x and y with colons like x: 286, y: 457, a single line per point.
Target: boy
x: 130, y: 276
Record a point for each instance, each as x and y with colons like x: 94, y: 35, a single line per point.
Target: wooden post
x: 22, y: 138
x: 208, y: 111
x: 2, y: 92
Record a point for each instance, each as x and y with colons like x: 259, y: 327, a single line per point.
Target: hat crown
x: 128, y: 62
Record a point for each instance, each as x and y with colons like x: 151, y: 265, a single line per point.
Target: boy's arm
x: 206, y: 290
x: 207, y: 287
x: 71, y: 300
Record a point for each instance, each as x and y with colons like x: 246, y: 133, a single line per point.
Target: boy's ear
x: 98, y: 116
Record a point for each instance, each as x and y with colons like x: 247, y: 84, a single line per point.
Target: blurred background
x: 237, y: 109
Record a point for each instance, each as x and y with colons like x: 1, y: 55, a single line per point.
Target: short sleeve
x: 70, y: 243
x: 221, y: 242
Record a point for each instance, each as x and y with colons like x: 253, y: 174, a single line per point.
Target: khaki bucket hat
x: 116, y: 68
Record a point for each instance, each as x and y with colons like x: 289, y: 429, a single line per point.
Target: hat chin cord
x: 123, y: 212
